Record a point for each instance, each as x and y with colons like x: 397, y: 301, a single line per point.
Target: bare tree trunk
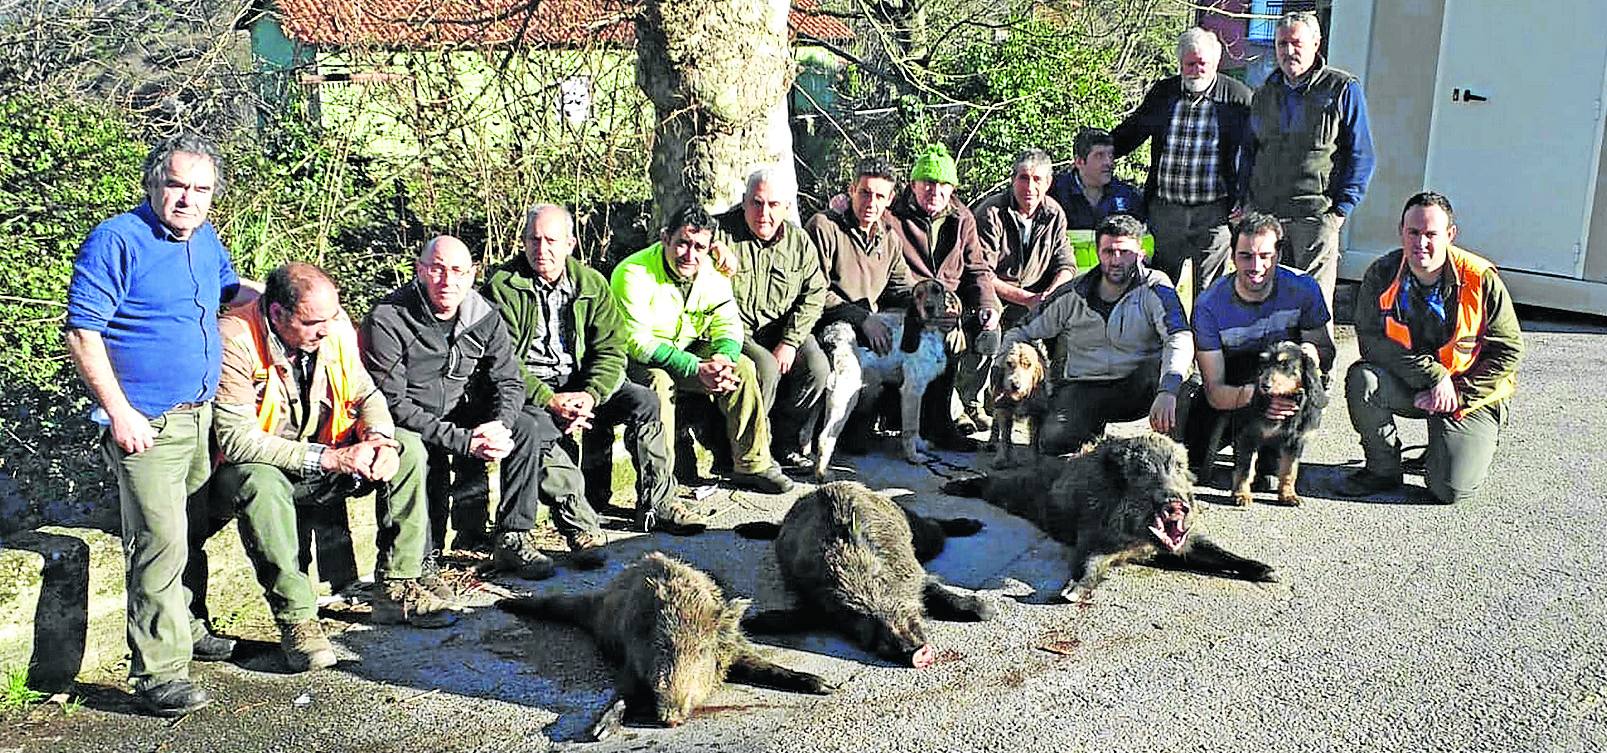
x: 717, y: 72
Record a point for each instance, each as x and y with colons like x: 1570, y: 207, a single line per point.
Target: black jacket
x: 1151, y: 120
x: 441, y: 384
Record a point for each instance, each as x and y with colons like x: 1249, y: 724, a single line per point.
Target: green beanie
x: 935, y: 164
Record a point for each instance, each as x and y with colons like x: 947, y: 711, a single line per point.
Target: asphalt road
x: 1398, y: 626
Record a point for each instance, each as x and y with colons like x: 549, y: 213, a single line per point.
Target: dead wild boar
x: 674, y: 636
x: 854, y: 558
x: 1118, y: 501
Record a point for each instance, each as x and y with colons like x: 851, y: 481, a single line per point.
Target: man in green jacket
x: 684, y: 334
x: 1439, y: 340
x: 779, y: 288
x: 567, y: 336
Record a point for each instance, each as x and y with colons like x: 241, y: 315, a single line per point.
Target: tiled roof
x: 433, y: 23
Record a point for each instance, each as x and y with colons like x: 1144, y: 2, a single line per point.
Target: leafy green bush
x: 1044, y: 85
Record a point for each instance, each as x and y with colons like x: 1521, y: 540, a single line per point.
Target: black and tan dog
x: 1020, y: 392
x: 1286, y: 371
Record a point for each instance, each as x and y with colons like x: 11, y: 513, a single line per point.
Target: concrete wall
x: 1399, y: 65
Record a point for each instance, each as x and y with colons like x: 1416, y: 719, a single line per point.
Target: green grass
x: 18, y: 695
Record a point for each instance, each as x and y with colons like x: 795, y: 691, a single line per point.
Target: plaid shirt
x: 1188, y: 171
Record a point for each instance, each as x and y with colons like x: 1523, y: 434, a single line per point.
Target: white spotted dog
x: 919, y: 357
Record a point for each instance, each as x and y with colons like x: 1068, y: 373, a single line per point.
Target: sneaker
x: 768, y: 481
x: 672, y: 517
x: 173, y: 698
x: 517, y: 553
x: 1365, y: 483
x: 430, y: 578
x: 211, y: 647
x: 586, y: 549
x: 305, y: 647
x: 404, y: 600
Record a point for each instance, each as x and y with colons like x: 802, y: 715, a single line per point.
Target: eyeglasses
x: 441, y: 271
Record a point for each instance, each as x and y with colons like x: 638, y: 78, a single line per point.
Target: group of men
x: 538, y: 368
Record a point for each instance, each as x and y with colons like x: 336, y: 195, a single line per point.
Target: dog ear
x: 911, y: 339
x: 1311, y: 380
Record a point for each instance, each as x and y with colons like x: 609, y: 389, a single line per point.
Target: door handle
x: 1466, y: 95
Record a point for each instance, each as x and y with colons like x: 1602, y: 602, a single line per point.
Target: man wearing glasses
x: 441, y: 354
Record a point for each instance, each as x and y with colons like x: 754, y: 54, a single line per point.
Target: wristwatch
x: 312, y: 463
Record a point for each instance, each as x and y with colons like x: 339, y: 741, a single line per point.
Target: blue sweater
x: 154, y: 300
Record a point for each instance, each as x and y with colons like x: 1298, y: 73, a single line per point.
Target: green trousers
x: 746, y: 424
x: 1459, y: 452
x: 265, y: 498
x: 154, y: 491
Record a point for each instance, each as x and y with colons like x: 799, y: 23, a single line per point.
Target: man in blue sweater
x: 142, y: 328
x: 1310, y: 154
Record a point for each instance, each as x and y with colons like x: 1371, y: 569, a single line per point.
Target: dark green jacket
x: 1500, y: 345
x: 778, y: 286
x: 599, y: 343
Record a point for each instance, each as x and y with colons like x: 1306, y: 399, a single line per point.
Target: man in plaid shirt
x: 1195, y: 122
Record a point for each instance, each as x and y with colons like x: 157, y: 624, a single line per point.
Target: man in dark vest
x: 1310, y: 154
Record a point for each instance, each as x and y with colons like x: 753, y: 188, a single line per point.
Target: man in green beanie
x: 940, y: 243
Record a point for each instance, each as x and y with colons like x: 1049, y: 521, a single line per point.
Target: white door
x: 1516, y: 132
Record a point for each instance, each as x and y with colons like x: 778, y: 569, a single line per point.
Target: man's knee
x: 240, y: 484
x: 1361, y: 383
x: 638, y: 404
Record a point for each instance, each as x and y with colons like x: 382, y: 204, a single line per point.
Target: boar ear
x: 734, y: 609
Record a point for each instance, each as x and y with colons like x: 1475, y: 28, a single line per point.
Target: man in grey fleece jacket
x: 1126, y: 342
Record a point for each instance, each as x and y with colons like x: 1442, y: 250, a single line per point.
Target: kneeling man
x: 1439, y: 340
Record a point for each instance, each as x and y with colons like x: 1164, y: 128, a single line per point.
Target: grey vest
x: 1293, y: 168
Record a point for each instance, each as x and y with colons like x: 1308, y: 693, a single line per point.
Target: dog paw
x: 1075, y: 593
x: 1242, y: 499
x: 1289, y: 499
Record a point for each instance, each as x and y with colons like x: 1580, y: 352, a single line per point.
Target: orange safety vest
x: 1459, y: 353
x: 339, y: 356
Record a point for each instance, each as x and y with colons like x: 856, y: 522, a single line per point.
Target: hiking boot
x: 404, y: 600
x: 173, y: 698
x: 586, y: 549
x: 305, y: 647
x: 1365, y: 483
x: 211, y: 647
x: 518, y: 553
x: 673, y: 517
x: 768, y: 481
x: 430, y: 578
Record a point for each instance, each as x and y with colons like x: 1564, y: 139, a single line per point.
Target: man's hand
x: 131, y: 431
x: 1439, y: 399
x: 724, y: 259
x: 373, y: 459
x: 717, y: 375
x: 785, y: 355
x: 877, y: 336
x: 1033, y: 301
x: 491, y: 440
x: 1163, y: 413
x: 574, y: 410
x: 1281, y: 407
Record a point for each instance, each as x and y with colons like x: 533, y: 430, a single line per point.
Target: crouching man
x: 1439, y: 340
x: 299, y: 422
x: 434, y: 347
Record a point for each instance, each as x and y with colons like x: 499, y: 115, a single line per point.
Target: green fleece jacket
x: 663, y: 315
x: 1500, y: 342
x: 778, y: 283
x: 599, y: 342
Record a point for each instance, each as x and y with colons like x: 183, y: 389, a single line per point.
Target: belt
x: 181, y: 407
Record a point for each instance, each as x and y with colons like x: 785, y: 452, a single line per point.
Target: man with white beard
x: 1195, y: 122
